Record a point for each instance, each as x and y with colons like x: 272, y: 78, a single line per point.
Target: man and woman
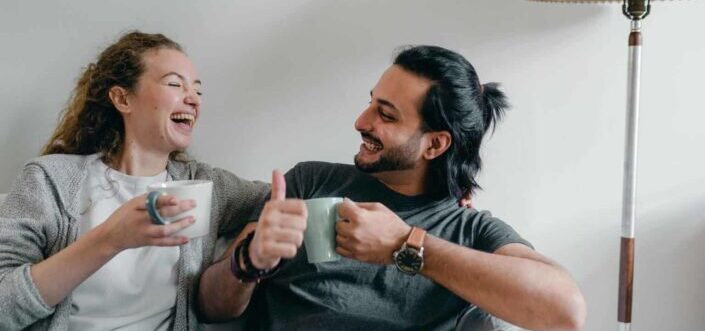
x: 79, y: 251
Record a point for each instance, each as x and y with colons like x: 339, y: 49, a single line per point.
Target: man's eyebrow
x: 197, y: 81
x: 385, y: 102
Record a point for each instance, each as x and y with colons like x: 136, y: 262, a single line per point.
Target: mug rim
x: 180, y: 183
x: 325, y: 198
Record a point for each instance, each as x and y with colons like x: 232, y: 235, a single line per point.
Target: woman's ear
x: 118, y: 96
x: 440, y: 142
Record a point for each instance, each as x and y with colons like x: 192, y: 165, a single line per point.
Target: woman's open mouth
x: 183, y: 120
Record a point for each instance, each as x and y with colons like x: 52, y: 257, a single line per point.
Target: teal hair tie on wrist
x: 152, y: 208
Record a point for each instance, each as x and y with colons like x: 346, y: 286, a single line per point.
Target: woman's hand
x: 130, y: 226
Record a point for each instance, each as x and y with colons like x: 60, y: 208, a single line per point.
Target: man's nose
x: 363, y: 122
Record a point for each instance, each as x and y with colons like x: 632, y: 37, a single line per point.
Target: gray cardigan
x: 39, y: 218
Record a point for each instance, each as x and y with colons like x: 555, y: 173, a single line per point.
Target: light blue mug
x: 319, y: 237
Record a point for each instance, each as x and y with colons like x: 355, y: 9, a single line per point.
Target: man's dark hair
x: 457, y: 103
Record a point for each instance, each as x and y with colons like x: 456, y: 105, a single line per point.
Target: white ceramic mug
x: 200, y: 191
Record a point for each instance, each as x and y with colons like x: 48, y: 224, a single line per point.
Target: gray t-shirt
x: 351, y: 295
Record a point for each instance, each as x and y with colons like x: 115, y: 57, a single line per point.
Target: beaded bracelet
x: 250, y: 273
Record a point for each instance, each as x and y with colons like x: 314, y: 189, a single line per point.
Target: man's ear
x: 440, y: 141
x: 118, y: 96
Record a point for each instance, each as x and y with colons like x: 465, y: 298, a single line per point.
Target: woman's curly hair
x: 91, y: 123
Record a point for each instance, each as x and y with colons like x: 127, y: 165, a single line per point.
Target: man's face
x: 390, y: 126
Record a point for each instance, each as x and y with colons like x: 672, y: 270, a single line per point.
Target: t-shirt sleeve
x: 294, y: 189
x: 491, y: 233
x: 295, y: 184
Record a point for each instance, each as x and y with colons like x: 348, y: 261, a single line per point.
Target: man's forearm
x: 279, y: 233
x: 525, y: 291
x: 221, y: 296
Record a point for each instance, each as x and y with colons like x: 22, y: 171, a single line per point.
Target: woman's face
x: 165, y: 104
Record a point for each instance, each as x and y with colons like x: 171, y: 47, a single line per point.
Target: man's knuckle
x: 301, y: 207
x: 271, y: 220
x: 300, y: 221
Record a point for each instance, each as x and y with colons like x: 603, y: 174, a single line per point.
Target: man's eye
x: 199, y: 93
x: 174, y: 84
x: 385, y: 116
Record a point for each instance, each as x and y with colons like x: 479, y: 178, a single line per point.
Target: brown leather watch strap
x: 416, y: 238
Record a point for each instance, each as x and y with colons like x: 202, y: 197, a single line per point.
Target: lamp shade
x: 579, y: 1
x: 586, y: 1
x: 632, y: 9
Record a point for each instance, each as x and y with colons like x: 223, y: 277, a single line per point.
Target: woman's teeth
x: 182, y: 117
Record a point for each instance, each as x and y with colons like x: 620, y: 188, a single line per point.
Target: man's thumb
x: 278, y: 185
x: 347, y: 208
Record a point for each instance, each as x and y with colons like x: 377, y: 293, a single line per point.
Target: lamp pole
x: 636, y: 11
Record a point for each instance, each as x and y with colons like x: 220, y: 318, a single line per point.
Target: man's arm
x: 514, y: 283
x: 221, y: 296
x: 278, y: 234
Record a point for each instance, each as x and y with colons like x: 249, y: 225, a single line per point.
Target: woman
x: 77, y: 248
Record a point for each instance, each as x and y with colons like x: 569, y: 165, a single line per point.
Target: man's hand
x: 466, y: 200
x: 369, y: 232
x: 280, y: 229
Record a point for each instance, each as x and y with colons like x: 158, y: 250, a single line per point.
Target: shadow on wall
x: 669, y: 267
x: 23, y: 141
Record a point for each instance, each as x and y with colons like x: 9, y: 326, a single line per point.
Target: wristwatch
x: 409, y: 258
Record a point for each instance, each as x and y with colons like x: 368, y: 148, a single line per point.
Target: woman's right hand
x: 130, y: 226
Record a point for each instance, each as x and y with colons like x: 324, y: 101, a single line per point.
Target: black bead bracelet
x: 250, y: 273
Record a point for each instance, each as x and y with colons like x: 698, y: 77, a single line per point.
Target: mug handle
x: 152, y: 208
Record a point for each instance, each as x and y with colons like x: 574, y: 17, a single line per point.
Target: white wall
x: 284, y: 81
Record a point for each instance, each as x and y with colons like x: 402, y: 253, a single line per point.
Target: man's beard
x: 397, y: 158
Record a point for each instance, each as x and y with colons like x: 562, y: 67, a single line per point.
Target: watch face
x: 408, y: 260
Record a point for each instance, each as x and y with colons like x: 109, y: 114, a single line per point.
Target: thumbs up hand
x: 280, y: 229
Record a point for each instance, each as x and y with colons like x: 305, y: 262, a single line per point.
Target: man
x: 414, y: 259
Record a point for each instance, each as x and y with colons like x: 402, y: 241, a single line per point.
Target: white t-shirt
x: 136, y: 289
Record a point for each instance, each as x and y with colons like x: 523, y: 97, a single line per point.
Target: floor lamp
x: 636, y: 11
